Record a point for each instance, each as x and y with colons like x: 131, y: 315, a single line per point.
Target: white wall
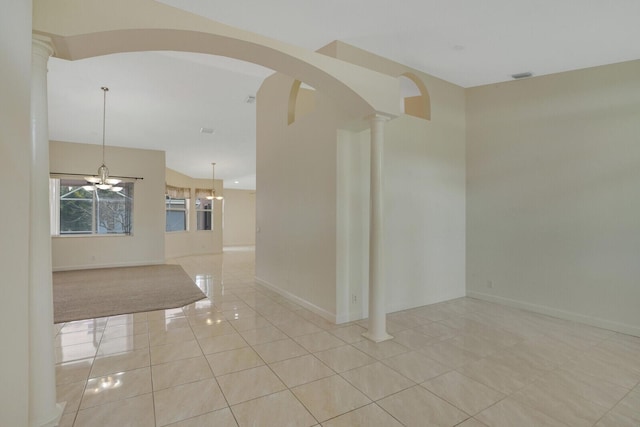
x: 146, y: 244
x: 15, y: 142
x: 194, y: 241
x: 553, y: 202
x: 239, y: 217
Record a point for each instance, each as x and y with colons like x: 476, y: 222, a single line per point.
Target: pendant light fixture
x: 213, y: 184
x: 102, y: 181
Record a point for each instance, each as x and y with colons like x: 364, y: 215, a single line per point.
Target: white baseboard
x: 562, y: 314
x: 108, y: 265
x: 331, y: 317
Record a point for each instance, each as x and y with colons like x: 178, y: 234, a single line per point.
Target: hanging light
x: 213, y: 184
x: 102, y: 181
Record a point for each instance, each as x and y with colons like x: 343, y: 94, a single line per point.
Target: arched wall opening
x: 415, y: 96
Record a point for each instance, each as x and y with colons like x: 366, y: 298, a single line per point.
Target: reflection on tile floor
x: 248, y: 357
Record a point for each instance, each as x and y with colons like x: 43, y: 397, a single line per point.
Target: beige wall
x: 312, y: 205
x: 15, y: 143
x: 295, y: 198
x: 239, y: 217
x: 194, y: 242
x: 553, y: 202
x: 146, y: 244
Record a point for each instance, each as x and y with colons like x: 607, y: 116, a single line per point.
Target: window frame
x: 204, y: 211
x: 185, y: 211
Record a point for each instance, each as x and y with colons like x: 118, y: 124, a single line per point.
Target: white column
x: 43, y: 410
x: 377, y: 298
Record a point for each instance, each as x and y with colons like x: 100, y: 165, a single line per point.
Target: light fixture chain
x: 104, y: 117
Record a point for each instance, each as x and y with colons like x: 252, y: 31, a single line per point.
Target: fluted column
x: 377, y: 293
x: 43, y: 410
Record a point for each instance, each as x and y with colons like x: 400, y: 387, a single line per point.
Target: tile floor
x: 248, y: 357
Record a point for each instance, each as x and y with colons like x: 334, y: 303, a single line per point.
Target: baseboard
x: 349, y: 317
x: 562, y: 314
x: 331, y: 317
x: 109, y: 265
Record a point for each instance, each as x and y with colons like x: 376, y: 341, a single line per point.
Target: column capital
x: 380, y: 117
x: 42, y: 45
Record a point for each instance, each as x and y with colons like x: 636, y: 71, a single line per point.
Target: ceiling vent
x: 207, y: 130
x: 522, y: 75
x: 250, y: 99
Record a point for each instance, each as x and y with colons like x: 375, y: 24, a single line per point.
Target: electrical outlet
x: 354, y: 298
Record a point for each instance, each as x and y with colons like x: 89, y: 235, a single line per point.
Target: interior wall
x: 194, y: 241
x: 553, y: 201
x: 146, y: 244
x: 295, y: 198
x: 424, y: 210
x: 15, y: 143
x: 239, y: 218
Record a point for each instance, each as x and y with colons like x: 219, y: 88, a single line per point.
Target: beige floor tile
x: 561, y: 405
x: 69, y: 353
x: 136, y: 411
x: 603, y: 370
x: 509, y: 413
x: 263, y: 335
x: 221, y: 343
x: 417, y: 406
x: 123, y: 344
x: 471, y: 422
x: 344, y: 358
x: 377, y: 380
x: 613, y: 419
x: 318, y: 341
x: 474, y: 344
x: 301, y: 327
x: 172, y: 336
x: 170, y: 352
x: 412, y: 339
x: 187, y: 400
x: 126, y: 319
x: 72, y: 394
x: 75, y: 371
x: 248, y: 384
x: 234, y: 360
x: 118, y: 386
x: 214, y: 330
x: 463, y: 392
x: 586, y: 386
x: 88, y: 326
x: 179, y: 372
x: 280, y: 409
x: 301, y: 370
x: 350, y: 334
x: 67, y: 420
x: 416, y: 366
x: 120, y: 362
x: 219, y: 418
x: 248, y: 323
x: 159, y: 326
x: 276, y: 351
x: 448, y: 354
x: 630, y: 405
x: 381, y: 350
x: 437, y: 330
x: 330, y: 397
x: 367, y: 416
x: 125, y: 330
x: 80, y: 337
x: 495, y: 375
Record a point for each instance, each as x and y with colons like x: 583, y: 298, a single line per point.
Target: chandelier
x: 102, y: 181
x: 213, y: 184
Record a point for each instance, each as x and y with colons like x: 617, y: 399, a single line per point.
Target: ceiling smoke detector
x: 207, y: 130
x: 522, y: 75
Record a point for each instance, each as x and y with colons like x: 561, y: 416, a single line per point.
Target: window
x: 204, y: 213
x: 80, y: 209
x: 177, y: 213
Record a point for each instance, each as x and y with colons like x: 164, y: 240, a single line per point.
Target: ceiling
x: 161, y: 100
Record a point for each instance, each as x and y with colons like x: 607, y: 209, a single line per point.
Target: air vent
x: 250, y: 99
x: 522, y: 75
x: 207, y: 130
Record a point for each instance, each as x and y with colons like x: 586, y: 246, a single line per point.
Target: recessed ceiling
x: 162, y: 100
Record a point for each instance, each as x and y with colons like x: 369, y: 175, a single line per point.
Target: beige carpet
x: 85, y: 294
